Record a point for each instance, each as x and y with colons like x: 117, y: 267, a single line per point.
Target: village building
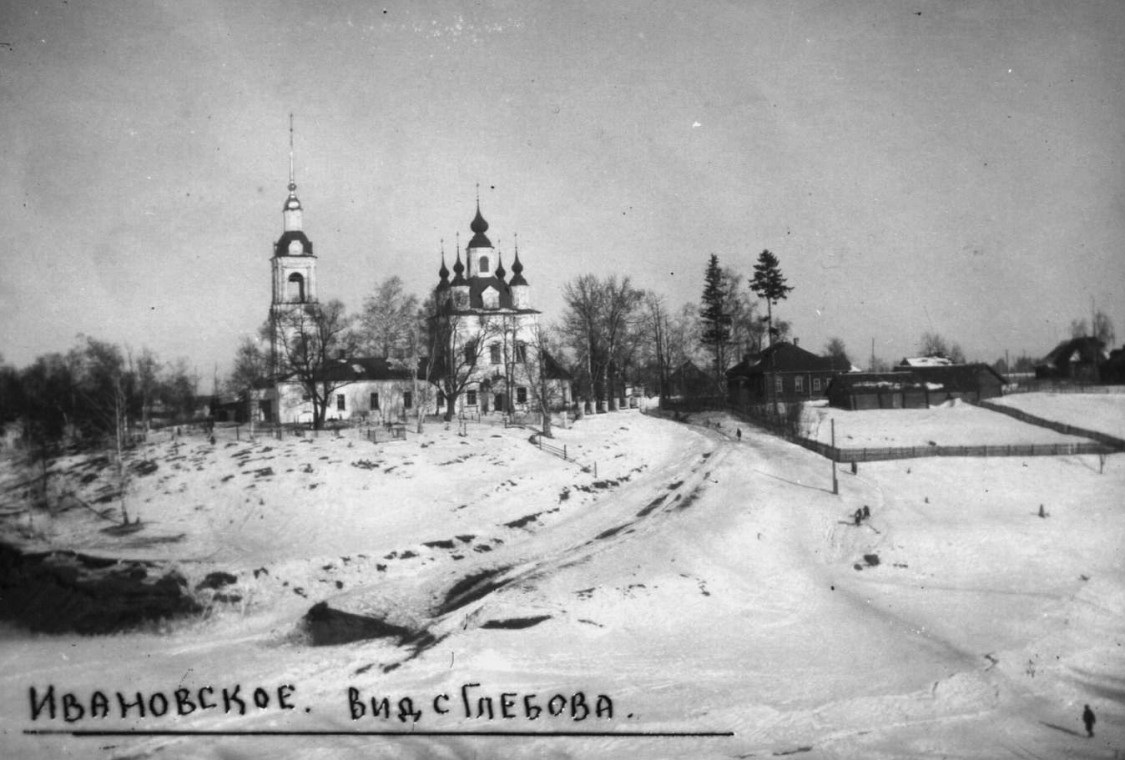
x: 1077, y: 359
x: 916, y: 384
x: 878, y: 390
x: 784, y: 372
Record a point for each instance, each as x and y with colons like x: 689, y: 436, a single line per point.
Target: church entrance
x: 484, y: 403
x: 500, y: 405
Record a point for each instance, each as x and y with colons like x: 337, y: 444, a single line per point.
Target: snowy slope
x: 706, y: 585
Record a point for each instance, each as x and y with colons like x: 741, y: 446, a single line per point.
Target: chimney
x: 796, y: 341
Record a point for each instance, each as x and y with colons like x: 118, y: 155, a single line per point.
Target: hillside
x: 703, y: 584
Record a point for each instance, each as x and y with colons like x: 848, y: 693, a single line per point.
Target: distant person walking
x: 858, y: 516
x: 1089, y: 719
x: 866, y: 512
x: 738, y: 432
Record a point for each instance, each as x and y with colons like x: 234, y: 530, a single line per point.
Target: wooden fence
x: 1061, y: 427
x: 1100, y: 444
x: 915, y: 452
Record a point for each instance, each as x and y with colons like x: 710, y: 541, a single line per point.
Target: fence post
x: 595, y: 469
x: 835, y: 484
x: 564, y: 453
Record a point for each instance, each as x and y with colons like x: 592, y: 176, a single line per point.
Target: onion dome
x: 459, y: 271
x: 443, y: 273
x: 517, y: 271
x: 479, y: 226
x: 500, y: 273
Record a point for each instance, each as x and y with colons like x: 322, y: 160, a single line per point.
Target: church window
x: 295, y: 292
x: 407, y: 400
x: 340, y: 403
x: 521, y: 353
x: 521, y: 395
x: 484, y: 265
x: 471, y: 352
x: 374, y: 402
x: 470, y: 398
x: 494, y: 353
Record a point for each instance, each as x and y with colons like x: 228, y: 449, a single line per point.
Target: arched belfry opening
x: 295, y: 288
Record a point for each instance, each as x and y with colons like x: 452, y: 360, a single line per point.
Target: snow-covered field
x: 1100, y: 412
x: 703, y: 584
x: 953, y: 424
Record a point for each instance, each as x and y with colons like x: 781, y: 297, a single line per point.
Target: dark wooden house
x: 689, y: 381
x: 1075, y: 359
x: 783, y: 372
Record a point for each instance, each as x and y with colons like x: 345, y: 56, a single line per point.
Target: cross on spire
x: 292, y: 180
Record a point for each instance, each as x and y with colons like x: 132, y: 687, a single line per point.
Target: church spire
x: 292, y: 208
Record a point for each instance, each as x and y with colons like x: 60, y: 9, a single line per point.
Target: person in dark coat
x: 858, y: 516
x: 1089, y: 719
x: 738, y: 431
x: 866, y: 512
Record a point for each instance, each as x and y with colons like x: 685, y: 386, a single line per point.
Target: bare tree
x: 388, y: 324
x: 933, y: 344
x: 459, y: 342
x: 539, y: 365
x: 312, y: 337
x: 835, y: 349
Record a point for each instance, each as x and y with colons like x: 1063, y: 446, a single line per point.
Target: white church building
x: 487, y: 354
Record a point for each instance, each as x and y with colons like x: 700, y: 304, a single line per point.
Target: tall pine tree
x: 715, y: 318
x: 768, y: 283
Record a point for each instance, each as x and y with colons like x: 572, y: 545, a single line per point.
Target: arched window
x: 484, y: 265
x: 295, y: 292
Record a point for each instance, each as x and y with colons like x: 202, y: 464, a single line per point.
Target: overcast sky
x: 915, y: 165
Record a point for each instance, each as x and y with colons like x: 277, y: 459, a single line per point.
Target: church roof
x: 281, y: 247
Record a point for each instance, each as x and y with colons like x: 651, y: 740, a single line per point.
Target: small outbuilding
x: 878, y: 390
x: 968, y: 382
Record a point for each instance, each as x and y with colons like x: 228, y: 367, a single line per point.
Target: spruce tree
x: 716, y: 321
x: 769, y: 283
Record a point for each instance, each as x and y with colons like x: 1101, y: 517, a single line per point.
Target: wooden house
x: 784, y: 372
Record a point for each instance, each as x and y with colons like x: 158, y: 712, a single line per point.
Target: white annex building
x: 485, y: 355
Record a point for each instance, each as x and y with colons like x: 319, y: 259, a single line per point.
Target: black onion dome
x: 479, y: 225
x: 517, y: 272
x: 458, y: 271
x: 443, y: 273
x: 500, y: 266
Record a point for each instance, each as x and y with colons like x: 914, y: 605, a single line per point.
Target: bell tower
x: 294, y: 269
